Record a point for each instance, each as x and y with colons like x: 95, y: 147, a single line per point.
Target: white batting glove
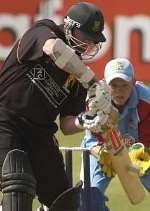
x: 87, y: 120
x: 98, y: 122
x: 100, y: 109
x: 99, y: 97
x: 99, y: 102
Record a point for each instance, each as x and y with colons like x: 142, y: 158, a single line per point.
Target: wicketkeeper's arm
x: 103, y: 157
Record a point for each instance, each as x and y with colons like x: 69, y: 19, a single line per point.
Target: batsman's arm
x: 68, y: 126
x: 66, y: 59
x: 73, y: 124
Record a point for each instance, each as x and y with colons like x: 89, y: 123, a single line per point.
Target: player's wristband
x: 79, y: 122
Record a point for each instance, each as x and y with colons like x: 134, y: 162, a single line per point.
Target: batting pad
x: 18, y: 182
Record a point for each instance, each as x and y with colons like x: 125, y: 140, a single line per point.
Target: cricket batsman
x: 43, y: 77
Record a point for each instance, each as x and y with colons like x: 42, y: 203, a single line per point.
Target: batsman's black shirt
x: 32, y: 86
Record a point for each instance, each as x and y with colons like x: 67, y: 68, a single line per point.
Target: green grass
x: 118, y: 201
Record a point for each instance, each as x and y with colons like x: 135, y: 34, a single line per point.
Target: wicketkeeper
x: 132, y: 100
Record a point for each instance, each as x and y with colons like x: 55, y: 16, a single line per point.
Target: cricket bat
x: 125, y: 170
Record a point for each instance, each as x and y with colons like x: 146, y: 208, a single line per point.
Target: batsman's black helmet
x: 88, y: 19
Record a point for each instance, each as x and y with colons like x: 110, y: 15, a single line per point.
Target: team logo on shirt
x: 39, y: 73
x: 53, y: 92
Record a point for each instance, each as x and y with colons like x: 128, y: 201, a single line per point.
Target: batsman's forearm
x: 67, y: 125
x: 66, y: 59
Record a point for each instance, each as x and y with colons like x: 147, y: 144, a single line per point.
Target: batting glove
x: 87, y: 120
x: 99, y: 102
x: 140, y: 157
x: 99, y: 97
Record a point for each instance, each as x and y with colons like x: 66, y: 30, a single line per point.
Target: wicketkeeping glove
x: 140, y: 157
x: 104, y: 159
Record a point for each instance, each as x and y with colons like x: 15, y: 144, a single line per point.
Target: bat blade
x: 126, y: 172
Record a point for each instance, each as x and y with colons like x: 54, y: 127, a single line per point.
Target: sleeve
x: 75, y: 103
x: 30, y: 46
x: 89, y: 140
x: 144, y: 123
x: 144, y: 131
